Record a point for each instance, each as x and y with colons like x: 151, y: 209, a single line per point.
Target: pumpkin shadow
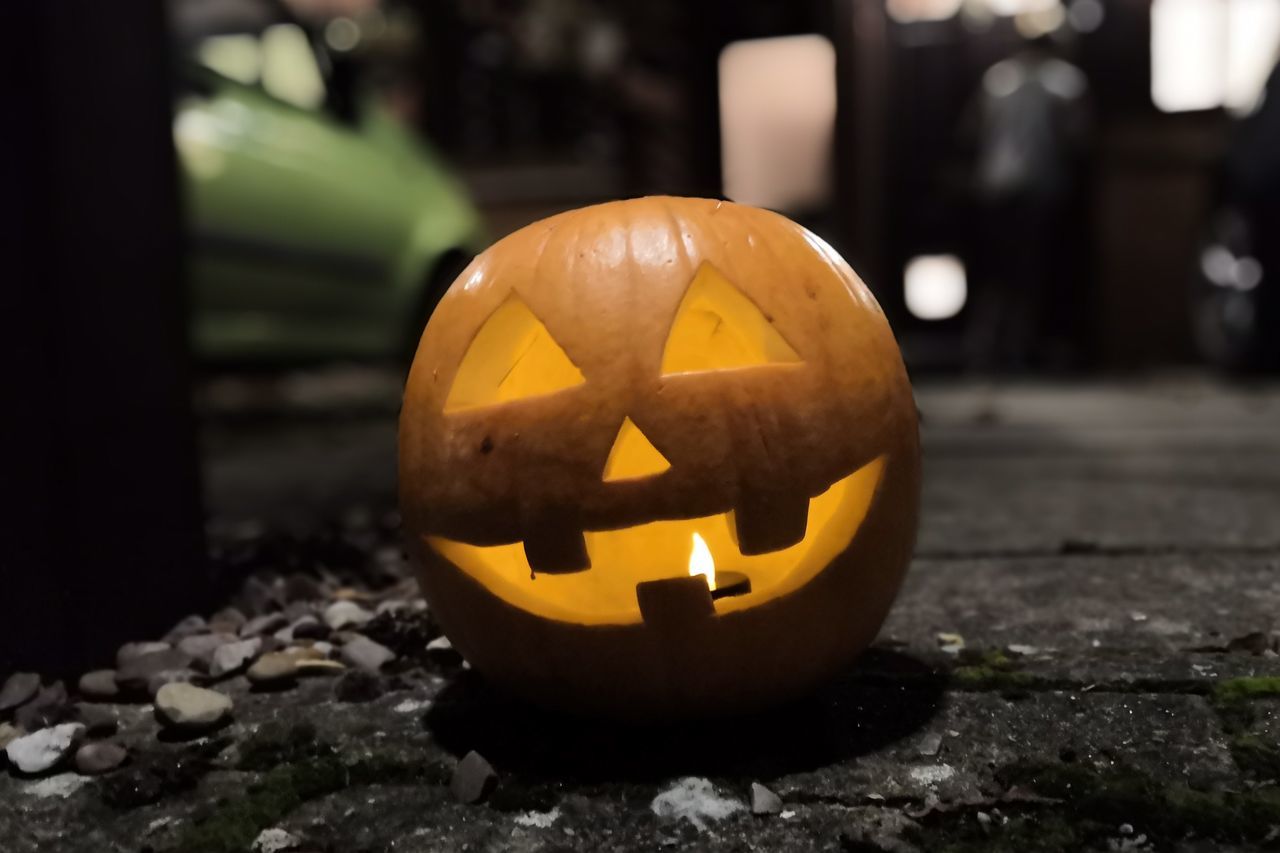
x: 885, y: 697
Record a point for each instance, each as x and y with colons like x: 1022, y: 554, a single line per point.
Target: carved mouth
x: 621, y: 559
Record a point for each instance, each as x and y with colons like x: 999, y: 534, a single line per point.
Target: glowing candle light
x: 701, y: 562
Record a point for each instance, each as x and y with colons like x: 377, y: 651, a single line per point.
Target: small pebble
x: 18, y: 689
x: 98, y: 720
x: 764, y: 801
x: 1255, y: 643
x: 100, y: 757
x: 274, y: 840
x: 201, y: 647
x: 298, y: 609
x: 357, y: 685
x: 312, y: 667
x: 8, y: 732
x: 99, y: 684
x: 302, y: 587
x: 170, y: 676
x: 950, y: 643
x: 190, y: 708
x: 131, y: 651
x: 233, y: 657
x: 310, y: 628
x: 228, y: 620
x: 343, y: 614
x: 273, y: 668
x: 268, y: 624
x: 43, y: 749
x: 137, y: 671
x: 258, y: 597
x: 306, y: 652
x: 363, y: 653
x: 930, y: 744
x: 473, y: 779
x: 441, y: 650
x: 189, y: 626
x: 45, y: 709
x: 392, y: 606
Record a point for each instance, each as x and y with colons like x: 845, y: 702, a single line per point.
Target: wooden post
x: 100, y: 533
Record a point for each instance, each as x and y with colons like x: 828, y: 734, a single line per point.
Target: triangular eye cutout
x: 719, y: 328
x: 512, y: 357
x: 633, y: 456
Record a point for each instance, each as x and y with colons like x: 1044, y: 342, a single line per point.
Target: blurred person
x: 1030, y: 120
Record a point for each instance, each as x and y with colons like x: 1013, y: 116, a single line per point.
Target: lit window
x: 1212, y: 53
x: 777, y: 120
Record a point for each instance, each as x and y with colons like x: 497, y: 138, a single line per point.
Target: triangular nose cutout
x: 633, y: 456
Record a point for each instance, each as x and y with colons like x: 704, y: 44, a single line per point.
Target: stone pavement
x: 1082, y: 657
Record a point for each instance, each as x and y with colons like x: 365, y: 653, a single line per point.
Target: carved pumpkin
x: 659, y: 458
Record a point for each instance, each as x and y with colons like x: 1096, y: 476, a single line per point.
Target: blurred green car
x: 319, y: 227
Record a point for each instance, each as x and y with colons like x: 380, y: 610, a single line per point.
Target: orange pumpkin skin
x: 608, y: 283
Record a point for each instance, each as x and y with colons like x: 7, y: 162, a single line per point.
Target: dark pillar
x: 862, y: 155
x: 100, y: 524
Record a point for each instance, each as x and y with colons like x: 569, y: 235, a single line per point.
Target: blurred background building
x: 1026, y: 184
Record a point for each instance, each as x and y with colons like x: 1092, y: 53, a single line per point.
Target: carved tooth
x: 555, y: 544
x: 673, y: 602
x: 764, y: 522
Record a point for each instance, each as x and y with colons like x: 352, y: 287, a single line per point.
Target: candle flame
x: 701, y: 562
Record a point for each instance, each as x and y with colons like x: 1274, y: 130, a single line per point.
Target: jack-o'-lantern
x: 659, y: 458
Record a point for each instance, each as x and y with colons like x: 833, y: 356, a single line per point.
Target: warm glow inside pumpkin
x: 619, y: 406
x: 717, y: 327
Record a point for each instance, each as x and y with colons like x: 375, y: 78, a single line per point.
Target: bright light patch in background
x: 1188, y: 54
x: 1039, y: 22
x: 935, y: 286
x: 237, y: 57
x: 1085, y: 16
x: 911, y: 11
x: 1010, y: 8
x: 342, y: 34
x: 1253, y: 38
x: 777, y: 120
x: 289, y: 69
x: 1224, y: 269
x: 1212, y: 53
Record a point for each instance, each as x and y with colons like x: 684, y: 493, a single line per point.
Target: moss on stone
x: 275, y: 744
x: 1243, y: 689
x: 993, y: 670
x: 1162, y: 810
x: 1233, y: 699
x: 1038, y: 833
x: 1084, y: 809
x: 991, y: 678
x: 235, y: 823
x: 1255, y: 756
x: 988, y: 658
